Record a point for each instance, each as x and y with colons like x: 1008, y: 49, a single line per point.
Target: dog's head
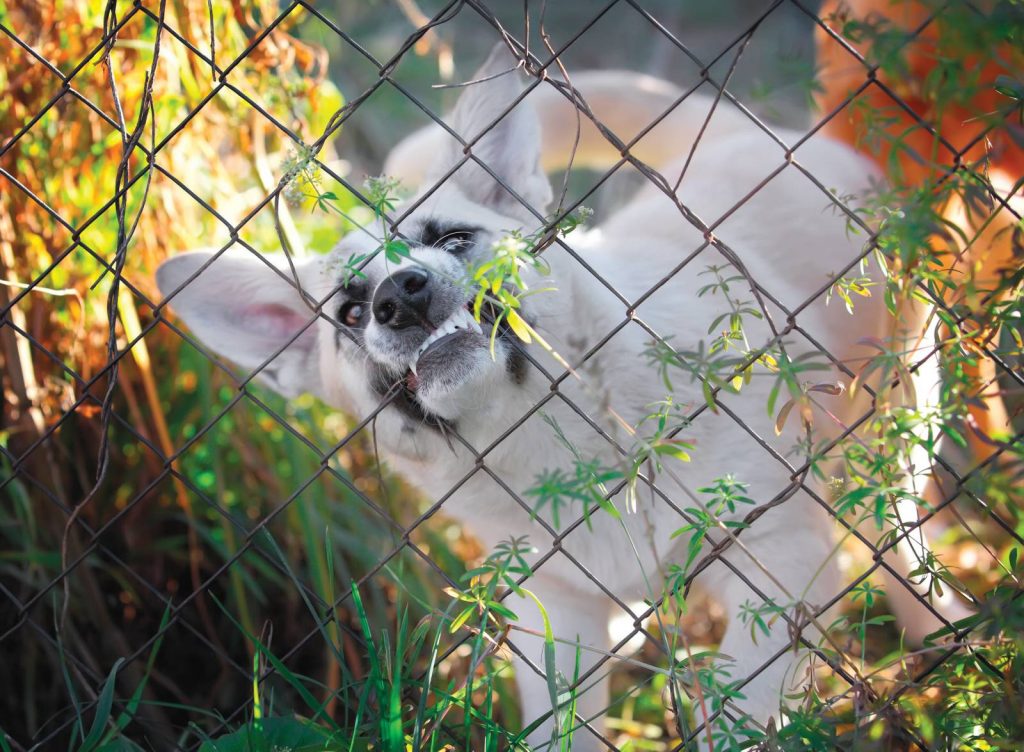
x: 399, y: 332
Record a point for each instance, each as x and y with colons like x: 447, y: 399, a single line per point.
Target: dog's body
x: 784, y: 235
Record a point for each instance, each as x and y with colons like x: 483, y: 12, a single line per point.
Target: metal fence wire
x: 226, y: 594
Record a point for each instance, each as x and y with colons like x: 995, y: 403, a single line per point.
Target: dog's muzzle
x: 403, y: 299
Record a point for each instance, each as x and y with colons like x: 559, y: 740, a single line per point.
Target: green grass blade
x: 377, y: 678
x: 103, y: 707
x: 421, y: 710
x: 568, y: 721
x: 286, y: 673
x: 79, y: 727
x: 392, y: 720
x: 550, y: 667
x: 125, y: 717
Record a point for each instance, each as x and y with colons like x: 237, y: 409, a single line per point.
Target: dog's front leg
x: 579, y: 622
x: 783, y: 572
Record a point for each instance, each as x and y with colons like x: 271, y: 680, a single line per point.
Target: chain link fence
x: 128, y: 537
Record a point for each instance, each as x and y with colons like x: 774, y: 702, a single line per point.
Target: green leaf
x: 1009, y: 87
x: 673, y: 449
x: 103, y: 706
x: 520, y: 327
x: 461, y: 619
x: 395, y: 251
x: 709, y: 396
x: 503, y: 610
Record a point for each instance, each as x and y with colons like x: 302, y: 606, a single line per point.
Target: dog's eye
x: 456, y: 241
x: 351, y: 313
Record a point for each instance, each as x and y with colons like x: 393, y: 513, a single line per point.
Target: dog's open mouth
x: 449, y: 354
x: 455, y: 331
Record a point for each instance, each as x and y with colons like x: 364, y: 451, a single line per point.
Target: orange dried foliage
x: 66, y: 161
x: 918, y: 136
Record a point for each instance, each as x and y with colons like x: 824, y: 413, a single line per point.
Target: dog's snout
x: 403, y: 299
x: 412, y: 280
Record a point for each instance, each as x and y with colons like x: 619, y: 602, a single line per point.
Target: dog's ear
x: 511, y: 148
x: 243, y: 309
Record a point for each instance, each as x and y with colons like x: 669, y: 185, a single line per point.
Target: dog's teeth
x: 458, y: 321
x: 465, y: 320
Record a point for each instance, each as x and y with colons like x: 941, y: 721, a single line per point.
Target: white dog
x: 403, y: 334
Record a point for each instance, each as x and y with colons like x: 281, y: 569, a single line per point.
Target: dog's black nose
x: 403, y: 299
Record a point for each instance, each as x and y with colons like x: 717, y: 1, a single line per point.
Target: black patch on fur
x: 517, y: 362
x: 516, y: 365
x: 433, y: 233
x: 356, y: 291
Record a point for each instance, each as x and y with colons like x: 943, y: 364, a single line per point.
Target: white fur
x: 785, y: 236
